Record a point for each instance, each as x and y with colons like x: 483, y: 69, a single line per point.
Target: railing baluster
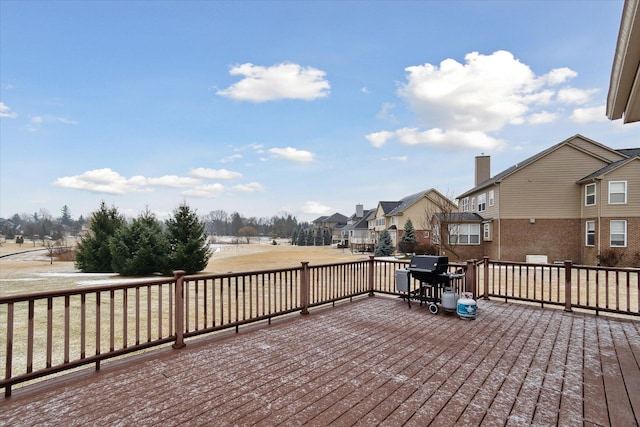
x: 30, y: 329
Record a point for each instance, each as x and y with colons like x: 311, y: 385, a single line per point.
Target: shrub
x: 425, y: 249
x: 611, y: 257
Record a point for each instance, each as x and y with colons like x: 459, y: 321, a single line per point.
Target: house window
x: 590, y: 194
x: 617, y: 192
x: 491, y: 198
x: 486, y: 231
x: 590, y: 233
x: 464, y: 234
x: 465, y: 204
x: 482, y: 202
x: 435, y: 235
x: 618, y: 233
x: 473, y: 204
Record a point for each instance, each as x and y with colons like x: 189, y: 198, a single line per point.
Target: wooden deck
x: 370, y: 362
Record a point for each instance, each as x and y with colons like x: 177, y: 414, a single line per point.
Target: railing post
x: 304, y: 288
x: 371, y: 267
x: 486, y: 277
x: 178, y: 276
x: 567, y: 285
x: 470, y: 277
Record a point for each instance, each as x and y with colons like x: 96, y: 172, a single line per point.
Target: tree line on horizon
x: 43, y: 226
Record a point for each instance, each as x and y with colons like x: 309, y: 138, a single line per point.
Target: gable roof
x: 519, y: 166
x: 600, y: 173
x: 336, y: 218
x: 408, y: 201
x: 387, y: 207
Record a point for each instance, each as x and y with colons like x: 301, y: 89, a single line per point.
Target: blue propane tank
x: 467, y: 306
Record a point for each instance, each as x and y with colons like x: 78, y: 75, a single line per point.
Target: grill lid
x: 429, y: 264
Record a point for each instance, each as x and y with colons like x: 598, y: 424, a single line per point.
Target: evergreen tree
x: 188, y: 242
x: 384, y: 247
x: 140, y: 248
x: 94, y: 254
x: 302, y: 237
x: 294, y: 238
x: 408, y: 240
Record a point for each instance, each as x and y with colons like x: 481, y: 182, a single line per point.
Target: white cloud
x: 452, y: 139
x: 559, y: 75
x: 110, y: 182
x: 4, y: 111
x: 385, y: 112
x: 100, y: 181
x: 231, y: 158
x: 292, y: 154
x: 586, y: 115
x: 315, y: 208
x: 206, y: 173
x: 172, y: 181
x: 543, y: 117
x: 378, y: 139
x: 205, y: 191
x: 248, y: 188
x: 460, y: 105
x: 281, y: 81
x: 571, y: 95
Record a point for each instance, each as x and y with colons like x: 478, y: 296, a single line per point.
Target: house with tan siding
x: 419, y: 207
x: 578, y: 200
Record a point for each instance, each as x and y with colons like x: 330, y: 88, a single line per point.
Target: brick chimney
x: 483, y: 168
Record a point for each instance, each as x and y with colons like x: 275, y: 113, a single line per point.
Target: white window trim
x: 455, y: 233
x: 624, y: 192
x: 491, y: 198
x: 586, y: 233
x: 486, y: 231
x: 624, y: 245
x: 482, y: 202
x: 586, y: 194
x: 473, y: 204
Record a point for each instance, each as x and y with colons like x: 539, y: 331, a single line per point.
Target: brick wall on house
x: 558, y: 239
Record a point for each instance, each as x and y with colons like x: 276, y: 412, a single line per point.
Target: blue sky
x: 307, y: 108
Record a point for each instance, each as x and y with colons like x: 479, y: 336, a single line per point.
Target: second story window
x: 465, y: 204
x: 590, y: 194
x: 617, y: 192
x: 473, y: 204
x: 492, y: 199
x: 482, y: 202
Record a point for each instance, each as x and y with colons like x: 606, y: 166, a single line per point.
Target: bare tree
x: 439, y: 217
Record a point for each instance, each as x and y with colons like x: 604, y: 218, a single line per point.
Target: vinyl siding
x: 598, y: 150
x: 547, y: 188
x: 630, y: 173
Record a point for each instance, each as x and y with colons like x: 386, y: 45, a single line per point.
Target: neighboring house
x: 623, y: 99
x: 334, y: 223
x: 419, y: 207
x: 572, y: 201
x: 356, y: 234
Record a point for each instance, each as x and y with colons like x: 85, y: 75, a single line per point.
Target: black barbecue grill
x: 432, y: 272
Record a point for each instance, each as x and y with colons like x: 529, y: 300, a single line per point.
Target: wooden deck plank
x: 373, y: 361
x: 618, y: 404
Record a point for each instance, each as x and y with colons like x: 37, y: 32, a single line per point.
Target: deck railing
x: 48, y: 332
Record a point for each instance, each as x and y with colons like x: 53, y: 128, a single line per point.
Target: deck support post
x: 568, y: 264
x: 304, y: 288
x: 179, y: 310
